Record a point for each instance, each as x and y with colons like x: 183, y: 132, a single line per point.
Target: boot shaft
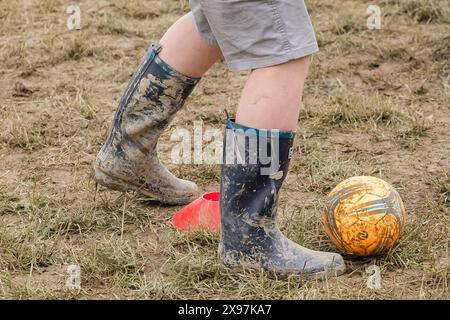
x: 153, y: 96
x: 254, y: 168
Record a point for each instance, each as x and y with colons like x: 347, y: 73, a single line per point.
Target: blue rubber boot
x: 255, y: 165
x: 128, y: 160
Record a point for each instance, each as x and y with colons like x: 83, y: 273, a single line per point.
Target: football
x: 364, y: 216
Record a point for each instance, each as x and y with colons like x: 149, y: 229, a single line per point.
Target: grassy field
x: 377, y: 102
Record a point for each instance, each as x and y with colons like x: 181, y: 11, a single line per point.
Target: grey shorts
x: 256, y: 33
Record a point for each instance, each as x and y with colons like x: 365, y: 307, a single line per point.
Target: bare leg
x: 186, y: 51
x: 271, y: 97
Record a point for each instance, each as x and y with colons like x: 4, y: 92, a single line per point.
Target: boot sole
x: 118, y: 184
x: 321, y: 276
x: 327, y: 273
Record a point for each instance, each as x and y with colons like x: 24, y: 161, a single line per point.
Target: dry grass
x: 376, y: 103
x: 427, y: 11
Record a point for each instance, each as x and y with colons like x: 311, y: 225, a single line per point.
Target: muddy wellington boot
x: 254, y: 168
x: 128, y: 160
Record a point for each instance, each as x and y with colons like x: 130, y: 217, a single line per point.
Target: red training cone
x: 203, y: 213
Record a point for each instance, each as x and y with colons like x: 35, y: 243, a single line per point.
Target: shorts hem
x: 209, y: 40
x: 239, y: 65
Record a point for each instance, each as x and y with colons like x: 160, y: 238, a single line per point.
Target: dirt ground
x: 377, y: 102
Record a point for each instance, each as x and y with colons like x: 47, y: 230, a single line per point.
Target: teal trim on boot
x: 231, y: 124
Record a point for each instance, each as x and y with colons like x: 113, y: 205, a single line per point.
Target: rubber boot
x: 254, y: 167
x: 128, y: 160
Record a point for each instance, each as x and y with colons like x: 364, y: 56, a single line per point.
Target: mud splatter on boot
x: 255, y: 165
x: 128, y: 160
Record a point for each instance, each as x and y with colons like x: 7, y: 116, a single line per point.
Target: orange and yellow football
x: 364, y: 216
